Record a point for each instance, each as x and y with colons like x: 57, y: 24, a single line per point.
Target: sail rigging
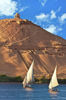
x: 53, y: 82
x: 29, y: 78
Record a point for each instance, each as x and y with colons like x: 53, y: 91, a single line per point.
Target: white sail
x: 29, y: 77
x: 53, y: 82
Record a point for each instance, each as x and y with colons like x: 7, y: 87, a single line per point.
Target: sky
x: 48, y: 14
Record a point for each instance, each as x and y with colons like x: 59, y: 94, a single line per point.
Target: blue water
x: 15, y: 91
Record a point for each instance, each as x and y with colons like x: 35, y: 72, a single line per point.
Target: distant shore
x: 19, y: 79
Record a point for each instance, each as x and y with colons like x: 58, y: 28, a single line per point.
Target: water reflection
x: 28, y: 93
x: 53, y: 92
x: 38, y: 92
x: 28, y: 89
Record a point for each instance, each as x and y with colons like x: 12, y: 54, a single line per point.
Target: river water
x: 15, y: 91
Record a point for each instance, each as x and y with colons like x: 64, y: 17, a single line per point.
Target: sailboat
x: 29, y: 78
x: 54, y: 81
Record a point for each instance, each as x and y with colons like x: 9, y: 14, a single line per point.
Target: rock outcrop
x: 21, y: 41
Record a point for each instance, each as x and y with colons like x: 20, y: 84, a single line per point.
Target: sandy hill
x: 21, y: 42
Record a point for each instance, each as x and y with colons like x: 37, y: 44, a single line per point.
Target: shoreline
x: 19, y: 79
x: 21, y: 83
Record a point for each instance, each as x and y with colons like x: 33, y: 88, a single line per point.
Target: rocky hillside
x: 21, y: 42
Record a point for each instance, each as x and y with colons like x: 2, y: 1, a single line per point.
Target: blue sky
x: 49, y: 14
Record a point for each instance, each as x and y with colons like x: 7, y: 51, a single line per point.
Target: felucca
x: 29, y: 78
x: 54, y: 81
